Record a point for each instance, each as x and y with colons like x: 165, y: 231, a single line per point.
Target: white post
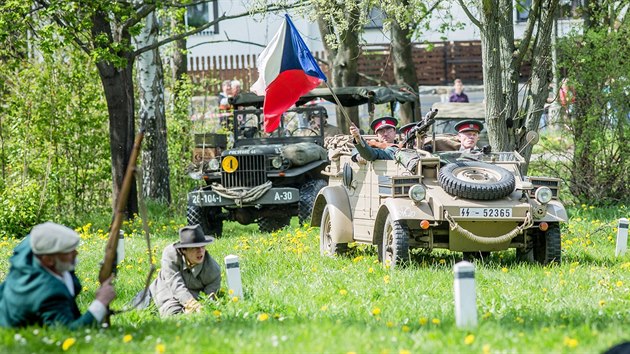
x: 233, y: 272
x: 622, y: 237
x: 120, y: 249
x: 465, y: 295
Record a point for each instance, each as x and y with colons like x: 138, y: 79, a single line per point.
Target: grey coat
x: 176, y: 283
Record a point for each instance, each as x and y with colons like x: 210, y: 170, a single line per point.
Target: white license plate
x: 485, y: 212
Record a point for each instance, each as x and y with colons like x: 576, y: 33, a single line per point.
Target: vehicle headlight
x: 276, y: 162
x: 543, y: 195
x: 214, y: 165
x: 417, y: 193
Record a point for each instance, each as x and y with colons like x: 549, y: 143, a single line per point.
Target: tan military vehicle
x: 471, y: 202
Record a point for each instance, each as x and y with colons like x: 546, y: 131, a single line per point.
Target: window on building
x: 200, y: 14
x: 375, y: 19
x: 568, y: 9
x: 522, y: 10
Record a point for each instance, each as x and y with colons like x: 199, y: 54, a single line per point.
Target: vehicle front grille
x: 251, y: 172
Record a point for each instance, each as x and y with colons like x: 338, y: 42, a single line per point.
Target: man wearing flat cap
x: 383, y: 148
x: 468, y: 134
x: 187, y: 270
x: 41, y: 286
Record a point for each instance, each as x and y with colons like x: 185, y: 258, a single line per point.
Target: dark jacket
x: 30, y: 295
x: 371, y: 153
x: 461, y: 98
x: 176, y: 283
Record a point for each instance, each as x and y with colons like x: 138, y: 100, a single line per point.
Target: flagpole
x: 345, y: 114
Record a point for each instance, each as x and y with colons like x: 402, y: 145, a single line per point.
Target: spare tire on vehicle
x: 476, y: 180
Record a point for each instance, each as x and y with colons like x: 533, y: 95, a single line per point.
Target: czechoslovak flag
x: 287, y: 70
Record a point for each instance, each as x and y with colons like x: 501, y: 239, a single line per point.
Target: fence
x: 437, y: 63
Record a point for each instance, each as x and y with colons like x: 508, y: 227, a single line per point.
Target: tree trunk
x: 511, y: 69
x: 492, y: 74
x: 178, y: 58
x: 118, y: 89
x: 541, y: 72
x: 155, y: 167
x: 404, y: 70
x: 344, y: 69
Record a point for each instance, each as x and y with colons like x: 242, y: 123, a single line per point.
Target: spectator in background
x: 236, y: 88
x: 567, y: 96
x: 226, y: 88
x: 458, y: 94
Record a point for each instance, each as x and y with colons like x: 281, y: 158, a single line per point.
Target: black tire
x: 308, y: 192
x: 269, y: 224
x: 476, y: 180
x: 547, y: 246
x: 526, y: 254
x: 207, y: 217
x: 326, y: 245
x: 395, y: 248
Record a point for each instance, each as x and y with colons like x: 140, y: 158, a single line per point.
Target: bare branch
x: 270, y: 8
x: 470, y: 15
x: 533, y: 17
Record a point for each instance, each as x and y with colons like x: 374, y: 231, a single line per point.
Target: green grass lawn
x: 297, y: 301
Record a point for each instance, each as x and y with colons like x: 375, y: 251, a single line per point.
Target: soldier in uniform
x: 383, y: 148
x: 468, y: 134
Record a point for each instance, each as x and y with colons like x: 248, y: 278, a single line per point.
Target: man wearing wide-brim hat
x: 468, y: 134
x: 383, y: 148
x: 41, y: 286
x: 187, y: 270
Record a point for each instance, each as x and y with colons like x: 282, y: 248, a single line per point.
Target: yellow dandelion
x: 357, y: 259
x: 160, y: 348
x: 404, y: 351
x: 470, y: 339
x: 389, y: 324
x: 323, y: 308
x: 376, y: 311
x: 504, y: 270
x: 423, y: 321
x: 386, y: 279
x: 602, y: 302
x: 263, y: 317
x: 435, y: 321
x: 216, y: 313
x: 231, y: 291
x: 570, y: 342
x: 486, y: 349
x: 442, y: 261
x: 370, y: 270
x: 127, y: 338
x: 68, y: 343
x: 235, y: 299
x: 406, y: 328
x: 619, y: 283
x: 343, y: 292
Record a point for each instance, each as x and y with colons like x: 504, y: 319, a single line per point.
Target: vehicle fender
x: 555, y: 212
x: 338, y: 202
x: 400, y: 209
x: 300, y: 170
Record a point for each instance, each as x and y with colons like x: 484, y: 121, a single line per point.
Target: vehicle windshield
x: 296, y: 125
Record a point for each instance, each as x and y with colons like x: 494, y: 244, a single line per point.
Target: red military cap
x: 469, y: 125
x: 382, y: 122
x: 407, y: 127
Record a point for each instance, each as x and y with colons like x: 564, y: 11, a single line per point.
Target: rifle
x: 108, y: 266
x: 421, y: 127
